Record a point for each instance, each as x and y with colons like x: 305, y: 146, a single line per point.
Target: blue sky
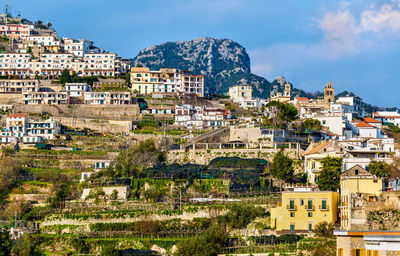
x: 354, y: 44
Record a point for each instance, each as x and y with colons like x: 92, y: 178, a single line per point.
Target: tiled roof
x: 302, y: 99
x: 371, y: 120
x: 318, y: 148
x: 364, y: 125
x: 17, y: 116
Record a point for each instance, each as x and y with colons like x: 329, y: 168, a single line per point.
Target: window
x: 292, y: 214
x: 323, y: 122
x: 313, y: 165
x: 323, y: 204
x: 309, y: 204
x: 301, y: 202
x: 291, y: 228
x: 291, y: 204
x: 309, y: 214
x: 309, y: 227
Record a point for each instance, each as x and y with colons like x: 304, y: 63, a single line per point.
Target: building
x: 315, y: 153
x: 241, y: 94
x: 46, y: 129
x: 356, y: 184
x: 300, y: 211
x: 367, y: 242
x: 190, y: 116
x: 285, y: 97
x: 329, y: 95
x: 15, y: 30
x: 77, y: 89
x: 97, y: 64
x: 16, y: 64
x: 386, y: 117
x: 355, y: 102
x: 368, y: 130
x: 166, y: 80
x: 45, y: 98
x: 107, y: 98
x: 78, y: 47
x: 19, y: 86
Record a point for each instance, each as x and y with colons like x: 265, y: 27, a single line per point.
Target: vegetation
x: 324, y: 229
x: 281, y: 114
x: 329, y: 178
x: 378, y: 168
x: 239, y: 216
x: 282, y: 167
x: 312, y: 125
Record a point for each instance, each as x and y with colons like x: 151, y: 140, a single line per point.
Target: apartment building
x: 98, y: 64
x: 78, y: 47
x: 51, y: 64
x: 391, y: 117
x: 166, y: 80
x: 15, y: 64
x: 241, y: 94
x: 16, y: 30
x: 302, y: 209
x: 107, y: 98
x: 77, y: 89
x: 45, y: 98
x: 49, y: 43
x: 190, y: 116
x: 21, y: 128
x: 19, y: 86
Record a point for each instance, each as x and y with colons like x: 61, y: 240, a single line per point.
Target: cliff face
x: 223, y: 62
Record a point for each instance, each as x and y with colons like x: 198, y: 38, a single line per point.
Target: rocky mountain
x: 223, y: 62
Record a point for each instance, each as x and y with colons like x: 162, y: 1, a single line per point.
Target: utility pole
x: 180, y: 200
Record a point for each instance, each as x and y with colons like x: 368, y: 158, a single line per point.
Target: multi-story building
x: 107, y: 98
x: 77, y: 89
x: 355, y: 102
x: 19, y: 86
x: 167, y: 80
x: 190, y: 116
x: 98, y: 64
x: 241, y: 94
x: 16, y: 124
x: 16, y: 30
x: 45, y: 98
x: 45, y: 129
x: 356, y: 184
x: 17, y: 64
x: 78, y: 47
x: 300, y: 211
x: 51, y: 64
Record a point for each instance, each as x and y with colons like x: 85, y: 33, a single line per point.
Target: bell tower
x: 287, y: 91
x: 329, y: 95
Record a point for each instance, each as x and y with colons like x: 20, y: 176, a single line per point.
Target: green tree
x: 378, y: 168
x: 65, y: 77
x: 280, y: 113
x: 239, y: 216
x: 26, y: 246
x: 324, y: 229
x: 208, y: 244
x: 109, y: 250
x: 282, y: 167
x: 312, y: 125
x: 5, y: 243
x: 329, y: 178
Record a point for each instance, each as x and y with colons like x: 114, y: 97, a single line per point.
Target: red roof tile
x: 17, y: 116
x: 364, y: 125
x: 371, y: 120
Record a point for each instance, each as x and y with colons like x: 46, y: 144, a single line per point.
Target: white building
x: 46, y: 129
x: 77, y: 89
x: 366, y: 130
x: 19, y: 86
x: 45, y: 98
x: 190, y: 116
x: 98, y: 64
x: 107, y: 98
x: 392, y: 117
x: 355, y: 102
x: 78, y: 47
x: 44, y: 40
x: 15, y: 64
x: 241, y: 94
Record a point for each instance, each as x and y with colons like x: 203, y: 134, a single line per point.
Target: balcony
x: 309, y: 209
x: 324, y: 209
x: 290, y: 208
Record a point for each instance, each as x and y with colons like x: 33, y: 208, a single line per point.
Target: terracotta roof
x: 388, y: 116
x: 371, y: 120
x: 302, y: 99
x: 375, y: 113
x: 364, y: 125
x: 17, y: 116
x: 318, y: 148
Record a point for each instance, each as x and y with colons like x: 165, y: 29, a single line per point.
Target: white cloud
x: 386, y: 19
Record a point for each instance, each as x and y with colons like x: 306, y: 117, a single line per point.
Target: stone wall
x: 246, y: 135
x: 204, y: 156
x: 106, y: 126
x: 123, y: 192
x: 111, y: 112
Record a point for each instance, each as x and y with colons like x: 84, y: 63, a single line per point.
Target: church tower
x: 287, y: 91
x: 329, y: 95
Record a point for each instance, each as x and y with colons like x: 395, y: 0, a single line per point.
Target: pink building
x: 15, y: 30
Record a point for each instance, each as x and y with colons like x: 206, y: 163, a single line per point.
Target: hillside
x: 223, y: 62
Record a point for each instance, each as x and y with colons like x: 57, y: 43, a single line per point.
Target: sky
x: 353, y: 44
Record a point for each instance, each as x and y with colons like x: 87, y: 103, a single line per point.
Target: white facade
x: 107, y: 98
x: 15, y: 64
x: 77, y: 89
x: 241, y: 94
x: 45, y: 98
x: 355, y: 102
x: 18, y: 86
x: 78, y: 47
x: 43, y: 40
x: 336, y: 124
x: 387, y: 117
x: 190, y: 116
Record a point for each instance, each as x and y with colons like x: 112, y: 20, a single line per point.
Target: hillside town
x: 103, y: 157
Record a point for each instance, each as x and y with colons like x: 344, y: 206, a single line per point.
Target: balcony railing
x: 324, y: 209
x: 310, y: 209
x: 294, y: 208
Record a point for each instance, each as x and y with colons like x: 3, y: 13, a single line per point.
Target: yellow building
x: 144, y: 81
x: 300, y: 211
x: 356, y: 186
x: 314, y: 155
